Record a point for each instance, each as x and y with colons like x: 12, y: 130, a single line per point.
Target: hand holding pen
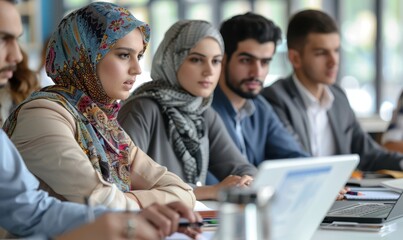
x: 343, y: 191
x: 347, y: 190
x: 173, y: 217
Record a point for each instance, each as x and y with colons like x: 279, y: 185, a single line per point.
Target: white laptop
x: 305, y: 189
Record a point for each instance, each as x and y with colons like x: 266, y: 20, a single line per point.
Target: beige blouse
x: 44, y: 135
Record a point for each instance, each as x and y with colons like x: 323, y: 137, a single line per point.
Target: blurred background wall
x: 371, y: 69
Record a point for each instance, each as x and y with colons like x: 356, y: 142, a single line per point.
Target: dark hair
x: 24, y: 81
x: 305, y: 22
x: 246, y: 26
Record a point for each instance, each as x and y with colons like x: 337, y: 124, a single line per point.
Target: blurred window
x: 372, y: 82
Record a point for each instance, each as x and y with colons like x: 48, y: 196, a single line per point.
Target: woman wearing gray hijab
x: 170, y: 118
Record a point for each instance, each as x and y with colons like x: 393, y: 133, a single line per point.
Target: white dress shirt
x: 320, y: 132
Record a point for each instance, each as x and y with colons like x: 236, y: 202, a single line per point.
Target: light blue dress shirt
x: 26, y: 211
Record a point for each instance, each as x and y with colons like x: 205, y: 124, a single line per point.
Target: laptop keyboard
x: 361, y: 210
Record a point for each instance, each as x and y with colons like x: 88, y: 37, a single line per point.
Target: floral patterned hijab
x: 82, y: 39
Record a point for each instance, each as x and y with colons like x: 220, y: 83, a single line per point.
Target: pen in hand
x: 183, y: 222
x: 354, y: 193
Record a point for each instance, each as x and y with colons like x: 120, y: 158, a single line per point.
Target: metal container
x: 244, y: 214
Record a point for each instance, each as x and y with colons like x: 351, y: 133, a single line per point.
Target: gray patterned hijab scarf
x: 183, y: 111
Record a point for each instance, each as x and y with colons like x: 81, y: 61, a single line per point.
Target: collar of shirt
x: 325, y: 101
x: 246, y: 110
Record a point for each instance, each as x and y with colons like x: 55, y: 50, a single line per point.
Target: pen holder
x: 244, y: 214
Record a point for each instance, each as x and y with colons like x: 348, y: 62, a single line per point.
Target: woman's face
x: 200, y: 71
x: 119, y: 68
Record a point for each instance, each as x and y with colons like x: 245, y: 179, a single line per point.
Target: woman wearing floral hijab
x: 68, y: 134
x: 170, y: 118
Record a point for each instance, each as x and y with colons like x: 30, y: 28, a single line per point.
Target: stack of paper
x: 373, y: 194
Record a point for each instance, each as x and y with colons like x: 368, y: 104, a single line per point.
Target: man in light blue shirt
x: 27, y: 211
x: 24, y: 211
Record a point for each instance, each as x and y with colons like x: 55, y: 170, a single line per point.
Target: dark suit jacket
x: 349, y: 136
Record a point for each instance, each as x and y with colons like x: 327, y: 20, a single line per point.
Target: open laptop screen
x: 301, y: 184
x: 305, y: 189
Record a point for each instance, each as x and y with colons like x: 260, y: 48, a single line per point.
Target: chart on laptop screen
x: 301, y: 184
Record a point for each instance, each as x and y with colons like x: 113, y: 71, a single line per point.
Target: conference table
x: 395, y: 232
x: 392, y: 231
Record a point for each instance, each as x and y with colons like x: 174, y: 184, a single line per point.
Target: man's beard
x: 238, y: 90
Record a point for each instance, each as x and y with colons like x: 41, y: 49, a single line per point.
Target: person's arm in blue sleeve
x: 27, y: 211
